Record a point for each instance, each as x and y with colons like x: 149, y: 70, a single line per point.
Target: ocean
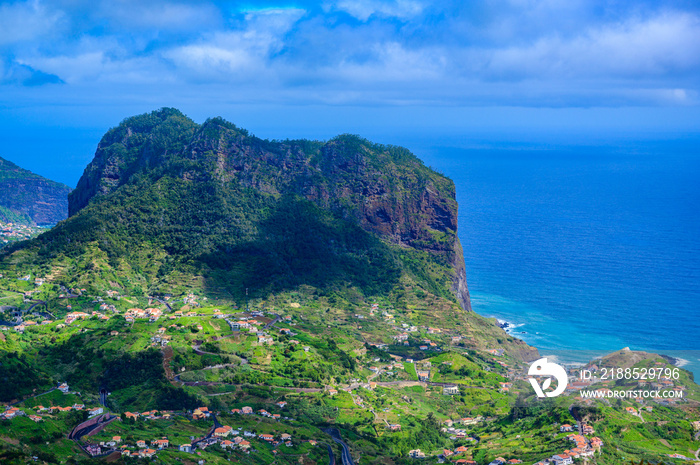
x: 584, y: 251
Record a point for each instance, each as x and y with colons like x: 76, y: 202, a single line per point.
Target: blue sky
x: 409, y: 72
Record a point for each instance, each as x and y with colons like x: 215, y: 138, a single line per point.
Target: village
x: 14, y: 232
x: 404, y: 356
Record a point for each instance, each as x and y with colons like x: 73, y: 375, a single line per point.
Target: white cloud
x: 25, y: 21
x: 364, y: 9
x: 552, y: 52
x: 95, y: 67
x: 393, y: 63
x: 666, y: 44
x: 159, y: 15
x: 239, y: 53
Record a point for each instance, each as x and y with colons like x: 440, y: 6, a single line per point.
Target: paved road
x: 32, y: 397
x: 40, y: 302
x: 211, y: 433
x: 273, y: 322
x: 162, y: 302
x: 88, y: 426
x: 345, y: 456
x: 331, y: 456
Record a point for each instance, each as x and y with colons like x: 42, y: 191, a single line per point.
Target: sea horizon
x: 584, y: 250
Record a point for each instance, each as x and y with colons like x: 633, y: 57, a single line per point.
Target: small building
x: 450, y: 390
x: 160, y: 443
x: 147, y: 453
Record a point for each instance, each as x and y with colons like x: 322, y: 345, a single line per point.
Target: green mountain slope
x: 167, y: 202
x: 28, y: 198
x: 317, y: 283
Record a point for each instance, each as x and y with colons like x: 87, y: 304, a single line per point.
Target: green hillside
x: 29, y: 199
x: 318, y: 284
x: 166, y: 202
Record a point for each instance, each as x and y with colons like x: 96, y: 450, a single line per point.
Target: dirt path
x: 293, y: 389
x: 167, y: 358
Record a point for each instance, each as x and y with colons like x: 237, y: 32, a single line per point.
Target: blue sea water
x: 584, y: 250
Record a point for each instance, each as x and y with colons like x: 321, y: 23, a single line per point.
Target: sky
x: 407, y: 72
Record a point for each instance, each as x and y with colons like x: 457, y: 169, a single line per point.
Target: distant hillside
x: 28, y: 198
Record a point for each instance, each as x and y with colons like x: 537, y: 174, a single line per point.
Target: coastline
x: 570, y: 358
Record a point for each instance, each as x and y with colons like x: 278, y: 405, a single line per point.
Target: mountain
x: 28, y: 198
x: 166, y: 200
x: 318, y: 284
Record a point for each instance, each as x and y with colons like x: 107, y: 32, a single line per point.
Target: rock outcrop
x: 385, y: 190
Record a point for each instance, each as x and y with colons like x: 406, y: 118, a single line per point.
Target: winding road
x: 345, y: 456
x: 331, y: 455
x: 162, y: 302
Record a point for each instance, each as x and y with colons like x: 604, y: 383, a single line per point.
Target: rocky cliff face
x: 384, y: 189
x: 28, y: 197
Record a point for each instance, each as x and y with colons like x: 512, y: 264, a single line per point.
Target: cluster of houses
x: 447, y: 453
x: 457, y: 451
x: 72, y: 316
x: 251, y: 325
x: 455, y: 433
x: 143, y: 450
x: 160, y: 338
x: 191, y: 300
x: 505, y: 386
x: 14, y: 412
x: 681, y: 457
x: 502, y: 461
x: 20, y: 328
x: 226, y: 437
x: 149, y: 415
x: 245, y: 324
x: 91, y: 411
x: 152, y: 314
x: 12, y: 231
x: 10, y: 413
x: 426, y: 344
x: 247, y: 410
x: 584, y: 447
